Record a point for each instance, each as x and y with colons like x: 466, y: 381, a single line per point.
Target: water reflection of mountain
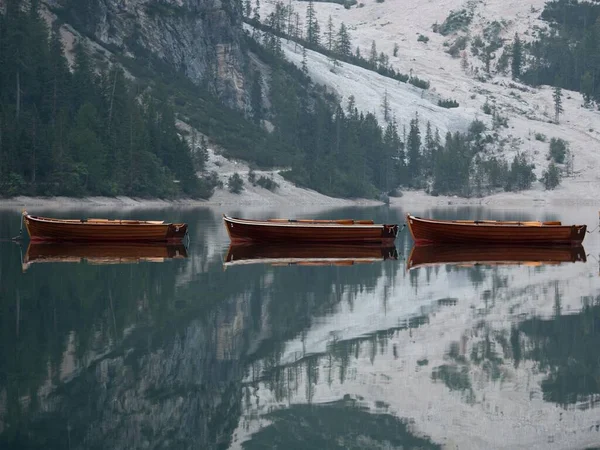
x: 475, y: 362
x: 185, y: 355
x: 131, y: 356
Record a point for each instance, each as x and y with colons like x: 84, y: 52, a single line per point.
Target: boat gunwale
x: 109, y: 222
x: 503, y: 224
x: 263, y: 223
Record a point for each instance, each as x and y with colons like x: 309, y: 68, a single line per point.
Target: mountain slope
x: 529, y: 110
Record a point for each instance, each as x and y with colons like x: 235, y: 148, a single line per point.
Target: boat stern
x: 177, y: 232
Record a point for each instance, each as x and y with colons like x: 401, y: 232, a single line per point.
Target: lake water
x: 112, y: 348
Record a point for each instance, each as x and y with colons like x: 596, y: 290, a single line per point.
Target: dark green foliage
x: 570, y: 50
x: 422, y: 38
x: 521, y: 174
x: 456, y: 21
x: 235, y: 184
x: 267, y: 183
x: 551, y: 176
x: 85, y: 133
x: 457, y: 46
x: 517, y: 57
x: 340, y: 425
x: 448, y: 103
x: 565, y: 348
x: 558, y: 150
x: 417, y: 82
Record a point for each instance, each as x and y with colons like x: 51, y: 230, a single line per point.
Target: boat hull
x: 428, y: 232
x: 53, y: 230
x: 243, y: 231
x: 308, y: 254
x: 432, y: 255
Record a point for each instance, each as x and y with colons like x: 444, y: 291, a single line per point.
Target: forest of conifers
x: 88, y: 132
x: 78, y: 132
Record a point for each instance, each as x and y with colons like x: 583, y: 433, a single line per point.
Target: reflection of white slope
x: 504, y: 414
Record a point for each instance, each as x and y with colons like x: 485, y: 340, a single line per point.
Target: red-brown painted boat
x: 101, y: 252
x: 347, y: 231
x: 429, y: 231
x: 307, y: 254
x: 105, y: 230
x: 536, y: 255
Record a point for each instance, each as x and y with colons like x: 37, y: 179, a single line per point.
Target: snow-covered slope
x: 529, y: 110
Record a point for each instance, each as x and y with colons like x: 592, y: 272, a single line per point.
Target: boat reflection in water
x: 421, y: 256
x: 308, y: 254
x: 102, y: 252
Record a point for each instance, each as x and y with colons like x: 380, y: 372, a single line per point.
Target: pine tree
x: 517, y: 57
x: 343, y: 44
x: 587, y: 88
x: 247, y: 8
x: 414, y: 148
x: 558, y: 108
x: 256, y: 11
x: 351, y: 107
x: 312, y: 24
x: 329, y: 34
x: 386, y: 107
x: 373, y: 55
x: 304, y: 62
x: 396, y: 48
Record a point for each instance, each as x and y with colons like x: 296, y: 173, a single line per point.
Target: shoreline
x: 408, y: 199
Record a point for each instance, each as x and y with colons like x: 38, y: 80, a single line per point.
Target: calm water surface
x: 114, y: 352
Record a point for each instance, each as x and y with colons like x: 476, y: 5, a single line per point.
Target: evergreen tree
x: 373, y: 55
x: 386, y: 107
x: 414, y: 148
x: 329, y: 34
x: 517, y: 57
x: 587, y: 87
x: 558, y: 108
x: 304, y: 61
x: 247, y: 8
x: 312, y: 24
x: 343, y: 44
x: 396, y: 48
x: 256, y: 11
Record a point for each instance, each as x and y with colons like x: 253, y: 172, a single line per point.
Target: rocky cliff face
x: 199, y: 37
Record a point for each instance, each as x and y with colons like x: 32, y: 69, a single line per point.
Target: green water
x: 185, y: 354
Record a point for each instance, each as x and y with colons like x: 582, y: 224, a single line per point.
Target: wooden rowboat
x: 344, y: 231
x: 78, y: 230
x: 307, y: 254
x: 101, y: 252
x: 429, y: 231
x: 533, y: 255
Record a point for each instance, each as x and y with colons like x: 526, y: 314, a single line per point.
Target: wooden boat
x: 532, y: 255
x: 316, y: 231
x: 101, y: 252
x: 48, y: 229
x: 307, y: 254
x: 429, y: 231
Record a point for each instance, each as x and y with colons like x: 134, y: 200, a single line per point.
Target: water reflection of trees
x: 565, y: 348
x: 126, y: 355
x: 343, y: 424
